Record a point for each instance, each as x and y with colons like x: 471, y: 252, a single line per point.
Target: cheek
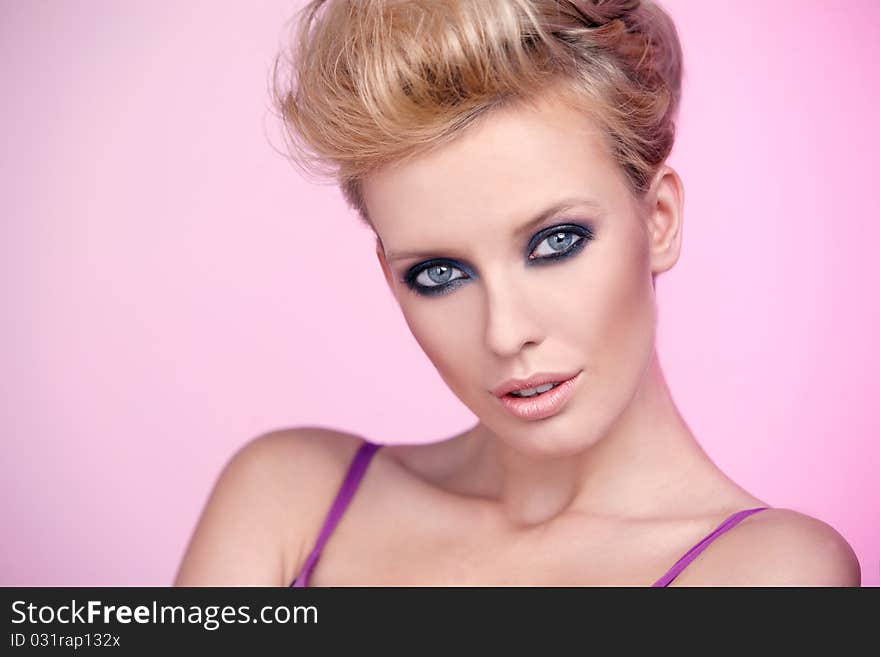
x: 443, y: 335
x: 621, y: 325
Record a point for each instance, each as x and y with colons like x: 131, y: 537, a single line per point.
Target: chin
x: 554, y: 437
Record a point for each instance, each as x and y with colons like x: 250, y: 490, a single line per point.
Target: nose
x: 511, y: 318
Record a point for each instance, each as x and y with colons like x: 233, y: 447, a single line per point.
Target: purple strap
x: 346, y: 491
x: 692, y: 554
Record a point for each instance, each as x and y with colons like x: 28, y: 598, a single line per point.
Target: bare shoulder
x: 263, y: 506
x: 776, y: 547
x: 300, y: 453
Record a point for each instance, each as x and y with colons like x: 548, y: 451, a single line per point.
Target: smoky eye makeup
x: 563, y: 241
x: 436, y: 276
x: 550, y: 245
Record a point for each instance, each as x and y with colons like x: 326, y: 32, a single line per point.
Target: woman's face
x: 491, y: 294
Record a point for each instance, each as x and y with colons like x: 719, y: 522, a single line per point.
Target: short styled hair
x: 367, y: 83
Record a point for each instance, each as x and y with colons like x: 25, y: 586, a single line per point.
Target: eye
x: 561, y: 242
x: 434, y: 278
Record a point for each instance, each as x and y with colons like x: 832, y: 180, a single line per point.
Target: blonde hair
x: 372, y: 82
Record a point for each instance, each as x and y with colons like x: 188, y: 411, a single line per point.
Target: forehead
x: 502, y: 170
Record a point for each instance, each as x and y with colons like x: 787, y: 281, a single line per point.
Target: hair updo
x: 377, y: 81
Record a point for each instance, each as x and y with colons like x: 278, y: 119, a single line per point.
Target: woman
x: 509, y: 156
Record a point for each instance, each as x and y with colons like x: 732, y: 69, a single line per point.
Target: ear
x: 664, y: 219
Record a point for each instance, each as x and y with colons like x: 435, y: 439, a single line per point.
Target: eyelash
x: 584, y: 232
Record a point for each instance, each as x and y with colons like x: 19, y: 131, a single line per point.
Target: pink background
x: 172, y: 288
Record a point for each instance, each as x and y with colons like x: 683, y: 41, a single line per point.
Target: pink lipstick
x: 541, y: 405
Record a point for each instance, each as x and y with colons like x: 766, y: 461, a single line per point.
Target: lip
x: 531, y: 382
x: 541, y: 406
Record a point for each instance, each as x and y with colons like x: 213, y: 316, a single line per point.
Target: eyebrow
x: 565, y: 204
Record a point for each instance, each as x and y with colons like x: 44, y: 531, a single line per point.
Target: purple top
x: 359, y: 466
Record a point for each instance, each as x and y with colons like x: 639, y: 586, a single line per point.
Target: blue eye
x: 437, y: 277
x: 434, y: 278
x: 561, y: 244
